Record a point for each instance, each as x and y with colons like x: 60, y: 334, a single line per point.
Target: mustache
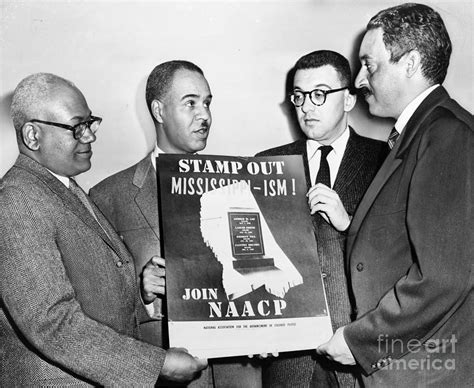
x: 364, y: 91
x: 204, y: 125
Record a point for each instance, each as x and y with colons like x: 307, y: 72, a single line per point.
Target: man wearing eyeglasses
x: 67, y: 282
x: 339, y: 166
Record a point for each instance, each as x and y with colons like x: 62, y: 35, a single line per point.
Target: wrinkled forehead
x: 65, y: 101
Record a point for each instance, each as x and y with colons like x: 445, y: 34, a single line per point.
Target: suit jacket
x: 129, y: 201
x: 410, y: 254
x: 360, y: 162
x: 68, y: 289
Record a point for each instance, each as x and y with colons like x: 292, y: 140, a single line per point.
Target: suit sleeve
x: 439, y: 228
x: 42, y: 304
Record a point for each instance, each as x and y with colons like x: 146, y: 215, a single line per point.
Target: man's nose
x: 88, y: 137
x: 361, y: 79
x: 203, y: 113
x: 307, y: 105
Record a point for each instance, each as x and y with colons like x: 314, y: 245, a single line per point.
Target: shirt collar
x: 338, y: 145
x: 411, y: 108
x: 63, y: 179
x: 156, y: 152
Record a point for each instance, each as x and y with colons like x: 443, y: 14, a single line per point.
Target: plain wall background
x: 245, y: 48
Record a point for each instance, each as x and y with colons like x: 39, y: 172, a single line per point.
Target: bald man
x: 67, y: 282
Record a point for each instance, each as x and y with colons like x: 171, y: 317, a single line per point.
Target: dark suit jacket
x: 361, y: 160
x: 68, y: 289
x: 410, y: 254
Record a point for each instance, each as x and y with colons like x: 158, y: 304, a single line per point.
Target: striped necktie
x: 392, y: 138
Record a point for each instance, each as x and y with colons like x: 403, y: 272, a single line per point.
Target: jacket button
x: 360, y: 267
x: 119, y: 264
x: 324, y: 275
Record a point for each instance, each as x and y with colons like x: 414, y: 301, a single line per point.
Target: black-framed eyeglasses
x: 317, y: 96
x: 79, y: 129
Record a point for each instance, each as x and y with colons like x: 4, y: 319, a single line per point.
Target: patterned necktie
x: 82, y: 196
x: 392, y: 138
x: 324, y: 175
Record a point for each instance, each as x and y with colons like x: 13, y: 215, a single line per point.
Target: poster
x: 242, y: 272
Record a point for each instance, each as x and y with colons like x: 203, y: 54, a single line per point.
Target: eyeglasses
x: 317, y: 96
x: 79, y: 129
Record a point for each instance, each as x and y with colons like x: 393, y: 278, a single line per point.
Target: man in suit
x: 339, y: 166
x: 178, y: 98
x: 410, y: 244
x: 69, y: 297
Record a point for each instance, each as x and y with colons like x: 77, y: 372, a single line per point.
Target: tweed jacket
x: 410, y: 255
x: 360, y: 162
x: 68, y: 291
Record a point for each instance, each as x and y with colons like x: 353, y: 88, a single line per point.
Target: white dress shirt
x: 334, y: 158
x: 410, y: 109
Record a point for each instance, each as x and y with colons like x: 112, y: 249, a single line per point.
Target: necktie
x: 392, y: 138
x: 82, y: 196
x: 324, y: 175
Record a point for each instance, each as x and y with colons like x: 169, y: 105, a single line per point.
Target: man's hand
x: 153, y: 279
x: 336, y: 349
x: 327, y: 203
x: 180, y: 366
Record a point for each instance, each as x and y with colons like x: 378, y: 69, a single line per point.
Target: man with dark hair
x: 69, y: 298
x: 410, y: 243
x: 178, y: 98
x: 339, y: 166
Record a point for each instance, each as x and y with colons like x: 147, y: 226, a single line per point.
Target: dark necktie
x: 392, y: 138
x: 324, y: 175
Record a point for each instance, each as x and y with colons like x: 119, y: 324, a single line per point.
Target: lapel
x: 394, y: 159
x: 146, y: 198
x: 350, y: 165
x: 73, y: 203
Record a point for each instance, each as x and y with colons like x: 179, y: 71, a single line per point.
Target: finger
x: 201, y: 363
x: 156, y: 272
x: 181, y: 350
x: 275, y: 354
x: 156, y: 290
x: 158, y: 261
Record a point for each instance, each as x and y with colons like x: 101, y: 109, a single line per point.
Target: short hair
x: 321, y: 58
x: 160, y: 79
x: 418, y: 27
x: 31, y: 94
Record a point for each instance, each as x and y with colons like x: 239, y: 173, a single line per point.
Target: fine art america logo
x: 440, y: 353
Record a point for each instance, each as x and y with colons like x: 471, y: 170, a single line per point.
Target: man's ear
x: 30, y: 134
x: 157, y: 110
x: 349, y: 100
x: 413, y: 62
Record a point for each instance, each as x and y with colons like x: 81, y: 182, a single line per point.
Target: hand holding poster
x: 242, y: 272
